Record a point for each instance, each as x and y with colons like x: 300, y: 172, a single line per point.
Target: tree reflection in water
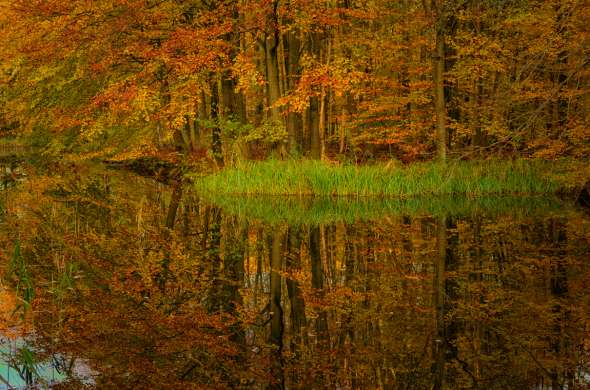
x: 155, y: 287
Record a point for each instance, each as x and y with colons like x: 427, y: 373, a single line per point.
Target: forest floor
x: 394, y: 180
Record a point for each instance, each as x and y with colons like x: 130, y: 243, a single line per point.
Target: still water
x: 114, y: 281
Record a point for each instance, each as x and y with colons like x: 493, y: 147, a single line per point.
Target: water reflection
x: 23, y: 366
x: 156, y: 287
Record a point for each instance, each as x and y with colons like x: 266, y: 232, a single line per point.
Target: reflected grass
x: 322, y: 210
x: 316, y: 178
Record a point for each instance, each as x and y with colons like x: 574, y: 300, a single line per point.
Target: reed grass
x: 322, y: 210
x: 316, y: 178
x: 17, y: 271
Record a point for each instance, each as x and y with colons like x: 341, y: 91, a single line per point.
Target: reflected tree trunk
x: 276, y: 322
x: 439, y: 344
x: 233, y: 270
x: 173, y: 207
x: 560, y: 344
x: 298, y: 319
x: 445, y: 296
x: 317, y: 284
x: 317, y: 277
x: 213, y: 260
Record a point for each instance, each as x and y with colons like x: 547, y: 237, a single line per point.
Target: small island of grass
x: 465, y: 178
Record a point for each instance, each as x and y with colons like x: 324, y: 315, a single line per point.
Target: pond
x: 116, y: 281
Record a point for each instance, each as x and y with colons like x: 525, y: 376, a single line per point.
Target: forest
x: 295, y: 194
x: 338, y: 80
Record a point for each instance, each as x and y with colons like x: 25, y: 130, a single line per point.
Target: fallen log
x: 152, y: 167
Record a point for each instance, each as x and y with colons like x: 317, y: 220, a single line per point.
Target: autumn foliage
x: 319, y: 78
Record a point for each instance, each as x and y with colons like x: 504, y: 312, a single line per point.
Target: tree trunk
x: 195, y: 139
x: 314, y: 128
x: 294, y: 120
x: 271, y: 44
x: 272, y: 69
x: 215, y: 131
x: 438, y: 65
x: 314, y: 107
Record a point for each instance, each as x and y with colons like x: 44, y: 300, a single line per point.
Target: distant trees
x: 402, y: 78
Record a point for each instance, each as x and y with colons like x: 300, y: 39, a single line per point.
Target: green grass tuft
x: 322, y: 210
x: 316, y: 178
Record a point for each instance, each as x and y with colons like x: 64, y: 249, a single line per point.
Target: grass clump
x: 316, y: 178
x: 322, y: 210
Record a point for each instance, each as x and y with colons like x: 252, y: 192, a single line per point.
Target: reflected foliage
x: 151, y: 286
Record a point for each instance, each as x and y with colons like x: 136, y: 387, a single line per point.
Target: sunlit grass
x: 306, y: 177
